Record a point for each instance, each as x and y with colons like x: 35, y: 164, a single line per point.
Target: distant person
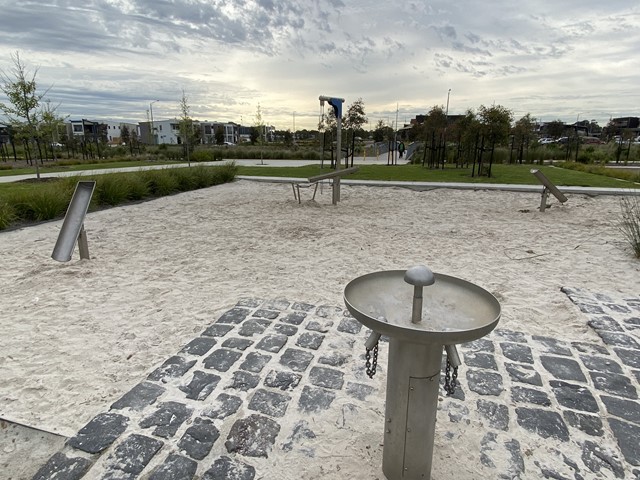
x: 401, y: 149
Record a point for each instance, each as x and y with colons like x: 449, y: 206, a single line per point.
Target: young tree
x: 125, y: 135
x: 20, y: 88
x: 185, y: 125
x: 522, y: 134
x: 496, y: 122
x: 355, y: 117
x: 50, y: 126
x: 219, y: 134
x: 260, y: 127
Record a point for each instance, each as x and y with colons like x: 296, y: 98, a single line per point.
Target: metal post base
x: 413, y: 380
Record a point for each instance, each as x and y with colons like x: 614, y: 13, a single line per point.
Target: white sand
x: 76, y: 336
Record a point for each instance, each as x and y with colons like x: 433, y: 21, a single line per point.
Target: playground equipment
x: 313, y: 181
x: 419, y: 323
x: 73, y: 225
x: 547, y: 187
x: 336, y: 103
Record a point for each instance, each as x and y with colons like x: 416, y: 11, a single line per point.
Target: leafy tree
x: 219, y: 134
x: 354, y: 118
x: 555, y: 129
x: 125, y: 135
x: 21, y: 90
x: 522, y: 134
x: 496, y: 122
x: 382, y: 132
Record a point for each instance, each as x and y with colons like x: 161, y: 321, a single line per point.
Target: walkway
x: 274, y: 382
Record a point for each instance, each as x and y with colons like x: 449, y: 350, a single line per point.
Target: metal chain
x: 450, y: 380
x: 371, y: 366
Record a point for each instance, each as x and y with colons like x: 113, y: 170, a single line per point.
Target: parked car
x: 546, y: 140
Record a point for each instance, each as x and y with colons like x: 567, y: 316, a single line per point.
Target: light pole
x: 447, y: 110
x: 153, y: 132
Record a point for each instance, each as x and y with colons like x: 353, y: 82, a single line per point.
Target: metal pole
x: 336, y: 181
x: 153, y: 133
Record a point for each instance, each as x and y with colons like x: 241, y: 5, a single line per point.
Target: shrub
x: 160, y: 182
x: 110, y: 190
x: 137, y: 187
x: 202, y: 156
x: 6, y: 167
x: 7, y: 214
x: 226, y: 173
x: 630, y: 222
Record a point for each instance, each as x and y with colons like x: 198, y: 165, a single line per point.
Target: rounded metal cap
x: 420, y: 276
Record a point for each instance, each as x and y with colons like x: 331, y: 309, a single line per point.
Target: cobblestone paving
x: 218, y: 405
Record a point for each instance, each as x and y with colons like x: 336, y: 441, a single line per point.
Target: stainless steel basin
x: 454, y: 311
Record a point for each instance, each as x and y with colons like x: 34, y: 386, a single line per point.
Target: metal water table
x: 421, y: 313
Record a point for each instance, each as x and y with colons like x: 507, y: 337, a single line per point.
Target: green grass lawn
x: 506, y: 174
x: 46, y: 168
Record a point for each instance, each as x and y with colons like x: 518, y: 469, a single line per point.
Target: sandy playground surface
x: 76, y: 336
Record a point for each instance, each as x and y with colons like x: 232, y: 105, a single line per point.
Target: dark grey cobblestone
x: 131, y: 456
x: 326, y: 377
x: 517, y: 352
x: 174, y: 467
x: 269, y: 403
x: 481, y: 360
x: 222, y: 359
x: 295, y: 318
x: 201, y: 385
x: 349, y: 325
x: 139, y: 397
x: 282, y: 380
x: 589, y: 424
x: 217, y: 330
x: 320, y: 327
x: 484, y: 383
x: 288, y: 330
x: 199, y: 346
x: 252, y: 327
x: 523, y: 374
x: 590, y: 389
x: 167, y: 419
x: 255, y: 362
x: 563, y: 368
x: 497, y: 415
x: 542, y: 422
x: 174, y: 367
x: 199, y: 438
x: 244, y: 381
x: 530, y: 395
x: 63, y: 467
x: 99, y: 433
x: 614, y: 384
x: 253, y: 436
x: 601, y: 364
x: 553, y: 346
x: 237, y: 343
x: 576, y: 397
x: 272, y: 343
x: 224, y: 406
x: 235, y: 315
x: 296, y: 360
x: 315, y: 399
x: 310, y: 340
x: 268, y: 314
x: 226, y: 469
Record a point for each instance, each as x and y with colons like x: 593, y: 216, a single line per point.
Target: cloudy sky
x: 108, y: 59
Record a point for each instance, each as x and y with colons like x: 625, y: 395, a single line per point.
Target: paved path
x: 242, y: 396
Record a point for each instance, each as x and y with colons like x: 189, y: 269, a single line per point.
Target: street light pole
x: 447, y: 110
x: 153, y: 132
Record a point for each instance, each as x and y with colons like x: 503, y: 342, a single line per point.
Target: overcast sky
x: 108, y: 59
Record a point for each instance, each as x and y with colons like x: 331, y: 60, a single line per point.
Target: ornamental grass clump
x: 7, y: 215
x: 630, y: 222
x: 111, y: 190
